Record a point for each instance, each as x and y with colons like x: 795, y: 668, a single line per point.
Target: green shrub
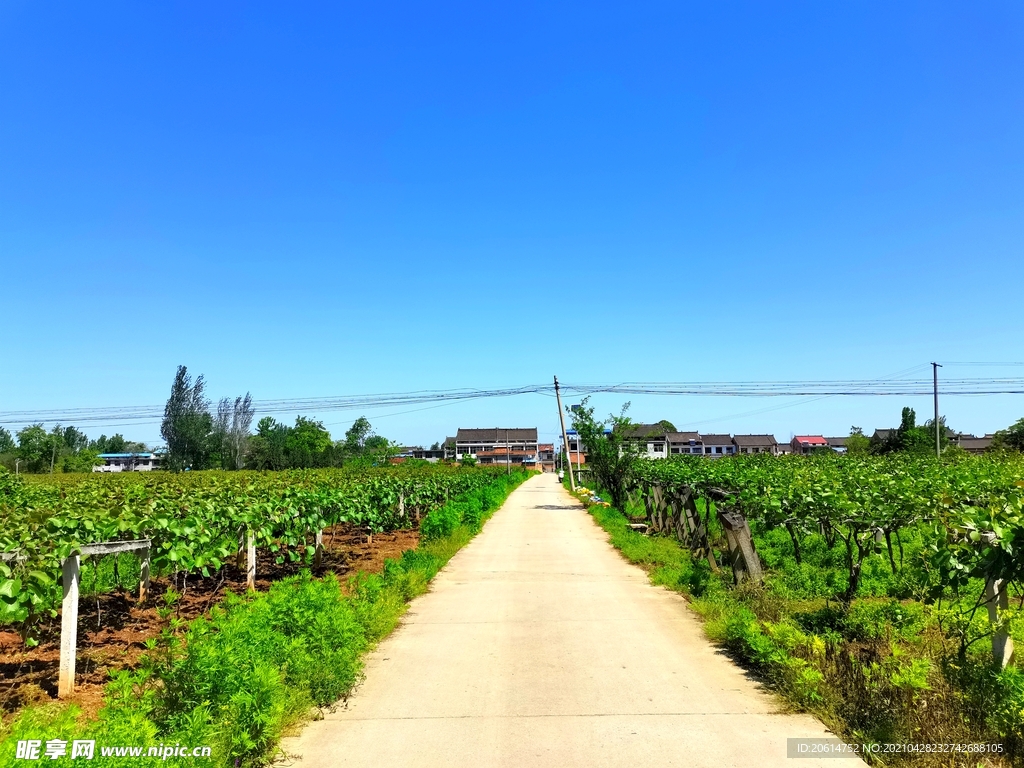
x: 441, y: 522
x: 257, y: 664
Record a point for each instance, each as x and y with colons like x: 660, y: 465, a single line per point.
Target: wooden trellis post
x: 318, y: 553
x: 240, y: 554
x: 697, y: 536
x: 654, y: 501
x: 71, y: 573
x: 250, y: 561
x: 144, y: 574
x: 998, y: 601
x: 745, y: 562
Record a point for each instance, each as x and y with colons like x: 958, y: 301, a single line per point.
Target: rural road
x: 539, y: 646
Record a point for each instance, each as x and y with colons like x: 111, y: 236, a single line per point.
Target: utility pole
x: 508, y: 455
x: 565, y: 435
x: 935, y: 385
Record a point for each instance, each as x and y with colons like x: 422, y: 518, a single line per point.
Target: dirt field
x: 113, y: 631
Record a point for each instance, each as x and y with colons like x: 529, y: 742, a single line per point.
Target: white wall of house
x: 471, y: 449
x: 124, y: 465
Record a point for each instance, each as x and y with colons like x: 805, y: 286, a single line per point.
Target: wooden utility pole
x: 508, y: 455
x: 565, y: 435
x: 935, y: 385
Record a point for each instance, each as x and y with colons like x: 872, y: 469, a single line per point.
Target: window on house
x: 718, y: 449
x: 675, y: 450
x: 707, y: 449
x: 659, y: 447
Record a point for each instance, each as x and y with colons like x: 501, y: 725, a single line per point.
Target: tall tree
x: 234, y: 419
x: 267, y: 446
x: 308, y: 444
x: 610, y: 452
x: 75, y: 440
x: 1012, y: 437
x: 6, y: 441
x: 187, y: 423
x: 857, y: 444
x: 33, y: 446
x: 355, y: 437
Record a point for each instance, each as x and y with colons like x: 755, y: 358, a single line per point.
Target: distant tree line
x: 197, y: 438
x: 908, y: 437
x: 61, y: 449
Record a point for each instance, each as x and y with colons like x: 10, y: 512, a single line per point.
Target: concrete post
x: 71, y: 572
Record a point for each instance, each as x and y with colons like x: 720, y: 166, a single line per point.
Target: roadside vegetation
x: 873, y: 611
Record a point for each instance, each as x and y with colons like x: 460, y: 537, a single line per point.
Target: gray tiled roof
x: 496, y: 435
x: 682, y: 437
x: 644, y: 430
x: 754, y: 440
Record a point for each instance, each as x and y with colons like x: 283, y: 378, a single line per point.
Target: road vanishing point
x: 539, y: 646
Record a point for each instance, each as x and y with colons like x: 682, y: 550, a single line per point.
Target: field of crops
x: 197, y: 522
x: 970, y: 511
x: 206, y: 658
x: 885, y: 594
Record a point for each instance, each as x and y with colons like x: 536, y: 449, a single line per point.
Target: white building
x: 128, y: 462
x: 498, y: 445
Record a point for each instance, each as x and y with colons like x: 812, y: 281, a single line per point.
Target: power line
x: 795, y: 388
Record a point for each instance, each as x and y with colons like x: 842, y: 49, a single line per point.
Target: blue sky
x: 323, y: 199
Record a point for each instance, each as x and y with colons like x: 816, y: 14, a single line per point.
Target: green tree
x: 267, y: 446
x: 7, y: 444
x: 910, y: 438
x: 356, y: 435
x: 857, y: 444
x: 1012, y: 437
x: 379, y: 449
x: 611, y: 455
x: 75, y: 440
x: 187, y: 423
x: 82, y: 461
x: 33, y: 447
x: 115, y: 444
x: 308, y: 444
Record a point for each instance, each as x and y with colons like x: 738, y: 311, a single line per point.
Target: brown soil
x: 114, y: 637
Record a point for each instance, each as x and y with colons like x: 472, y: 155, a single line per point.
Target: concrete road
x: 539, y: 646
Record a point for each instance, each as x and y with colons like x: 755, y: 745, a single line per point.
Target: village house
x: 973, y: 444
x: 499, y: 445
x: 837, y: 444
x: 756, y: 444
x: 717, y: 446
x: 805, y: 444
x: 684, y: 442
x: 653, y: 439
x: 128, y: 462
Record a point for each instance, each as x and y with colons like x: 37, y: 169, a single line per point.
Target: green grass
x: 256, y: 667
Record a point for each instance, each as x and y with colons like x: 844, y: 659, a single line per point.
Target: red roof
x: 811, y: 439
